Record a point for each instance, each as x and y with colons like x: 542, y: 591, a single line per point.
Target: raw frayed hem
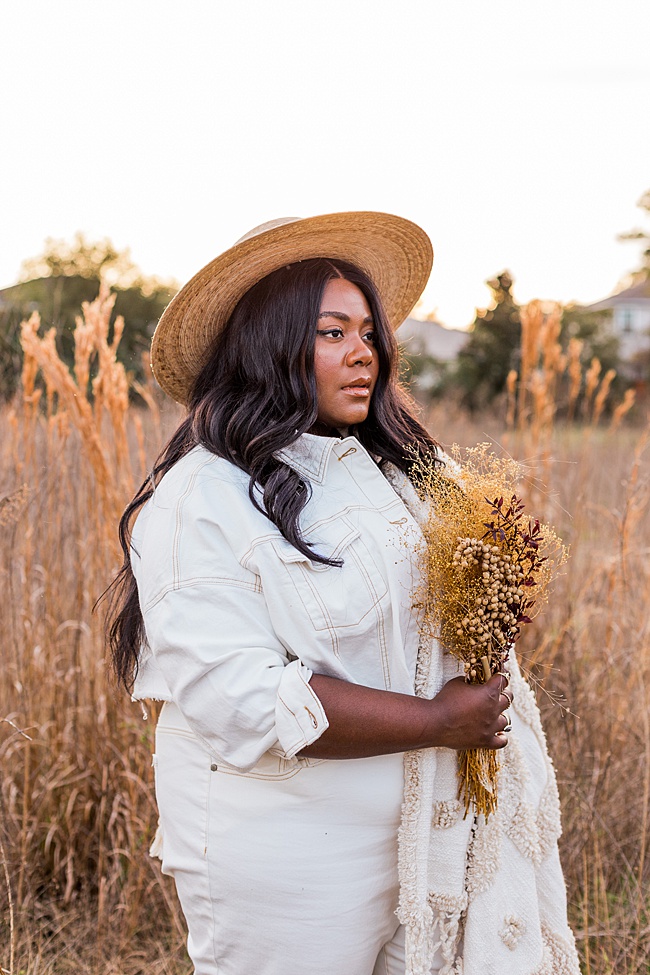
x: 437, y: 927
x: 156, y: 848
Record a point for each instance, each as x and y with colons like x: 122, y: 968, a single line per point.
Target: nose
x: 359, y: 352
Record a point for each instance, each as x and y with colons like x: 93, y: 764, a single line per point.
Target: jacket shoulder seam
x: 255, y: 586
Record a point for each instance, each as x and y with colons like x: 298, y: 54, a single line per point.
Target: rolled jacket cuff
x: 299, y: 715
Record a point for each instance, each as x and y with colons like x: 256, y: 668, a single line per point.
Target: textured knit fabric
x: 489, y: 895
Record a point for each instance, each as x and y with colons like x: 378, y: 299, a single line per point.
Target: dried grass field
x: 78, y: 892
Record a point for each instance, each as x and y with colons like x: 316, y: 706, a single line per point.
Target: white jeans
x: 286, y: 869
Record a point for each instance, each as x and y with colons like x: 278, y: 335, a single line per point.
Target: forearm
x: 364, y: 721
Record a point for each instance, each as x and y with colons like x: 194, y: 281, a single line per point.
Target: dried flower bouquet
x: 487, y: 571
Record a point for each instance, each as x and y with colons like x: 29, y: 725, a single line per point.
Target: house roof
x: 431, y: 338
x: 639, y: 292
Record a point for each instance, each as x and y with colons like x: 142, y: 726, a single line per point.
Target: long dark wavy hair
x: 257, y: 394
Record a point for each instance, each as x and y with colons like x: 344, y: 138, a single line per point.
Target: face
x: 346, y: 364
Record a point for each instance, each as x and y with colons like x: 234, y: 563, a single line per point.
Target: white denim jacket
x: 237, y: 619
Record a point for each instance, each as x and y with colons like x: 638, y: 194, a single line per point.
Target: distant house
x: 429, y: 348
x: 630, y: 317
x: 430, y: 339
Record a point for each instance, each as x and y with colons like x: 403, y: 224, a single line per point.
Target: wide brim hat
x: 395, y: 253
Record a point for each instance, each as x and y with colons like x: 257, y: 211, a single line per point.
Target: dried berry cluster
x: 485, y: 569
x: 498, y: 570
x: 490, y: 624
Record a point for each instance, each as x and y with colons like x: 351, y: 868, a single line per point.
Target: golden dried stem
x: 511, y: 390
x: 601, y: 395
x: 622, y: 409
x: 532, y: 320
x: 591, y: 383
x: 113, y: 476
x: 574, y: 369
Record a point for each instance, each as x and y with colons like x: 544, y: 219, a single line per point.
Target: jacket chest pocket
x: 334, y: 597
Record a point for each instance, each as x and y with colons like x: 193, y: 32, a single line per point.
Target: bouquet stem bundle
x: 487, y: 572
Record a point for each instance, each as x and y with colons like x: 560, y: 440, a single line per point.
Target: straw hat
x: 395, y: 253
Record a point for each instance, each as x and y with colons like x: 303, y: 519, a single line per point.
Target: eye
x: 370, y: 335
x: 334, y: 332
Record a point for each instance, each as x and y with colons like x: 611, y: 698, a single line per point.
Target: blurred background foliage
x: 56, y: 282
x: 68, y: 273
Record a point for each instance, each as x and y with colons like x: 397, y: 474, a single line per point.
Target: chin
x: 350, y: 420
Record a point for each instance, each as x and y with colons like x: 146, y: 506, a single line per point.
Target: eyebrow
x: 342, y: 317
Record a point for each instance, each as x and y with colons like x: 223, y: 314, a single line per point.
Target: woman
x: 268, y: 596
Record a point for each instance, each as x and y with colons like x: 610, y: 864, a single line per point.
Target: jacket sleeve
x: 210, y: 636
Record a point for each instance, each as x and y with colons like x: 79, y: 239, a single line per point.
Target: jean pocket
x: 272, y: 767
x: 182, y: 772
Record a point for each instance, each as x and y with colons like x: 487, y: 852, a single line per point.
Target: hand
x: 471, y: 715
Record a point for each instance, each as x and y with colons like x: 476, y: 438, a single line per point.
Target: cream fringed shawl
x: 488, y: 897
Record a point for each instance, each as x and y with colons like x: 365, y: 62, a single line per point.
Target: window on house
x: 626, y: 320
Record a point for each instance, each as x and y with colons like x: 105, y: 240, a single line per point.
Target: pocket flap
x: 329, y: 538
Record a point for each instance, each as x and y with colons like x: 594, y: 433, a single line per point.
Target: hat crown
x: 269, y: 225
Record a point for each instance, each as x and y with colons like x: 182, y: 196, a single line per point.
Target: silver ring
x: 508, y: 697
x: 508, y: 727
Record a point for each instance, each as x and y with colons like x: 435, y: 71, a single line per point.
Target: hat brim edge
x: 396, y: 254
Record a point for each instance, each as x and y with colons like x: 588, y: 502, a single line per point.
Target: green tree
x: 493, y: 348
x: 85, y: 259
x: 57, y: 282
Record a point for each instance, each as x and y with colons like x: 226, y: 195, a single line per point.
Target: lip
x: 360, y: 387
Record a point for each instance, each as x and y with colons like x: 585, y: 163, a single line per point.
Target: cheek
x: 374, y: 366
x: 323, y: 368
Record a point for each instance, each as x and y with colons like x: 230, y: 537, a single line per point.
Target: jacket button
x: 214, y: 767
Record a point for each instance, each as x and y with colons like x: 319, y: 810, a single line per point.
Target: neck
x: 323, y: 430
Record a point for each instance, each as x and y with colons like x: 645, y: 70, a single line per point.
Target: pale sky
x: 516, y: 133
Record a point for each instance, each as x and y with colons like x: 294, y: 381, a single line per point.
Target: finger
x: 497, y: 689
x: 496, y: 680
x: 506, y: 724
x: 509, y: 696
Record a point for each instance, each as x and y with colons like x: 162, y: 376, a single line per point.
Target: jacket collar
x: 309, y: 455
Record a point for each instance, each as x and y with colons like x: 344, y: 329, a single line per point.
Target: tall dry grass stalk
x: 551, y: 380
x: 77, y: 800
x: 549, y: 377
x: 78, y: 891
x: 588, y: 654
